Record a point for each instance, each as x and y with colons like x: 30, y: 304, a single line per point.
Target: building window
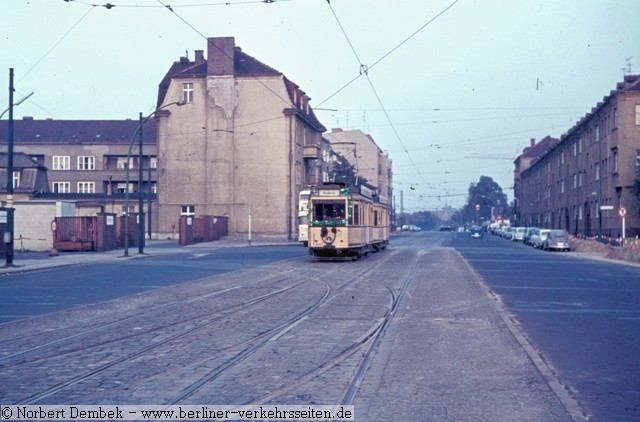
x: 637, y: 114
x: 597, y: 171
x: 16, y: 179
x: 188, y: 210
x: 187, y: 92
x: 61, y: 162
x: 86, y: 187
x: 122, y: 187
x: 61, y: 187
x: 86, y: 163
x: 132, y: 209
x: 153, y: 163
x: 122, y: 163
x: 615, y: 160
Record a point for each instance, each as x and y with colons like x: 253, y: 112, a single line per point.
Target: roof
x: 243, y: 64
x: 20, y: 161
x: 33, y: 178
x: 77, y: 131
x: 540, y: 149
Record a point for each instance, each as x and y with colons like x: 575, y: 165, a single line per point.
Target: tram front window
x: 329, y: 211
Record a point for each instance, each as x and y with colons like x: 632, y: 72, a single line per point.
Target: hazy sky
x: 434, y: 82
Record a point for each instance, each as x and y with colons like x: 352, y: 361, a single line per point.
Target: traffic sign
x: 622, y: 211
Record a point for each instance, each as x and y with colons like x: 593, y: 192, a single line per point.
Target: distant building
x: 529, y: 155
x: 244, y: 144
x: 581, y: 183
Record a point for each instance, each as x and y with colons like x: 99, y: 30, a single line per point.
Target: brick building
x: 581, y: 182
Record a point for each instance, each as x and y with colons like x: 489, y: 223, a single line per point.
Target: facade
x: 244, y: 145
x: 582, y: 182
x: 86, y: 160
x: 368, y: 159
x: 529, y: 155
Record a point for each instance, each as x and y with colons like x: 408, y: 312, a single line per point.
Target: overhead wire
x: 386, y: 54
x: 364, y: 70
x: 192, y: 5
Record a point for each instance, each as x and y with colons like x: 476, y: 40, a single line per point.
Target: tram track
x: 273, y: 335
x: 95, y: 331
x: 370, y: 340
x: 52, y: 350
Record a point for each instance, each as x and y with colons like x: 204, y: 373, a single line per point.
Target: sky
x: 452, y: 90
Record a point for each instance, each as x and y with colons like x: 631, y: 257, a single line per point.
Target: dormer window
x: 187, y: 92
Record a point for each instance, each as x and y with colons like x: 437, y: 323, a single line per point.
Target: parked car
x: 538, y: 237
x: 518, y: 234
x: 556, y: 240
x: 476, y: 232
x: 527, y: 235
x: 507, y: 233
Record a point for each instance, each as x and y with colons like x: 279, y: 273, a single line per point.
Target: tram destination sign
x: 329, y: 192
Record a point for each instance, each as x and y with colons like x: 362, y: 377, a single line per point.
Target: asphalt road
x: 582, y: 315
x: 28, y: 294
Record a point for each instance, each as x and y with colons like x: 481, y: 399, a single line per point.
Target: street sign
x: 606, y: 207
x: 622, y: 211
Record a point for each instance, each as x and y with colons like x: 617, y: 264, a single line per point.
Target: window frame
x: 86, y: 162
x: 86, y: 187
x: 61, y: 162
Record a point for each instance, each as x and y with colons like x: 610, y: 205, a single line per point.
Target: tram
x: 346, y: 222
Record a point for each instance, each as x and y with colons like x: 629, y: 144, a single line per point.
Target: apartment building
x: 243, y: 145
x: 366, y: 157
x: 582, y: 182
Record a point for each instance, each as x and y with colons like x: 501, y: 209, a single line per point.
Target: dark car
x: 476, y: 232
x: 557, y: 240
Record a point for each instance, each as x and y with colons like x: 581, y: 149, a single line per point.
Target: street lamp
x: 8, y: 235
x: 140, y: 193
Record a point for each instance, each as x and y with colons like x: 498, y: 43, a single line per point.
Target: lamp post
x: 140, y: 193
x: 8, y: 235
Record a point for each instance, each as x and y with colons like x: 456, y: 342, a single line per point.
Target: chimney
x: 220, y: 56
x: 199, y: 56
x: 533, y: 142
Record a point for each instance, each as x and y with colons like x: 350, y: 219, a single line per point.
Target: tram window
x: 355, y: 217
x: 328, y: 211
x: 375, y: 217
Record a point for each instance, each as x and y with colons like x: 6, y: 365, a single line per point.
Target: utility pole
x: 8, y: 234
x: 140, y: 193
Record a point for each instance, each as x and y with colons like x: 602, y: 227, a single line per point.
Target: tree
x: 343, y: 172
x: 635, y: 198
x: 485, y: 201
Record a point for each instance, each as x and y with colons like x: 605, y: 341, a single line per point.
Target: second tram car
x: 346, y: 222
x: 303, y: 216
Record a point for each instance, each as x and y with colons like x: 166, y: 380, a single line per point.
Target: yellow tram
x: 346, y: 222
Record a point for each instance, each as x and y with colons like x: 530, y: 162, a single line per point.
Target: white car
x: 538, y: 237
x: 517, y: 235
